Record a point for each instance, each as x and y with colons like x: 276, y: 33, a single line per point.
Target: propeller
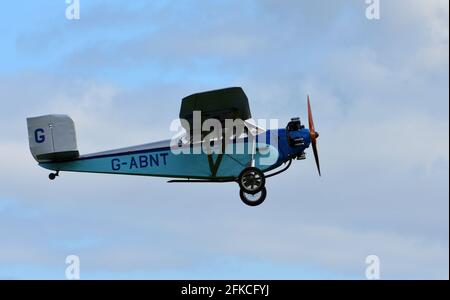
x: 314, y: 135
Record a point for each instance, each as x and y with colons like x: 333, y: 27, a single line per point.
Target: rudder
x: 52, y: 138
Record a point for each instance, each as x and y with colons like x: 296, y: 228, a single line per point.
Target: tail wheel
x: 52, y: 176
x: 251, y: 180
x: 253, y: 199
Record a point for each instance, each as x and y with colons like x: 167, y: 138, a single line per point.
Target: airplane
x: 248, y: 156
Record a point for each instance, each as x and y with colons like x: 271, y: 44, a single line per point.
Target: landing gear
x: 252, y: 186
x: 52, y: 176
x: 251, y: 180
x: 253, y: 199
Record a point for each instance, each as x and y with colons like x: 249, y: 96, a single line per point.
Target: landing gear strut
x: 252, y: 184
x: 52, y: 176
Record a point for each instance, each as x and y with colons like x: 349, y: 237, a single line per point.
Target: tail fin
x: 52, y: 138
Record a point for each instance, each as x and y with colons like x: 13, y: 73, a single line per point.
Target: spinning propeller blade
x: 314, y: 135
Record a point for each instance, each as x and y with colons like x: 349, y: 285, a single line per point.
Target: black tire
x: 52, y: 176
x: 253, y: 202
x: 246, y: 174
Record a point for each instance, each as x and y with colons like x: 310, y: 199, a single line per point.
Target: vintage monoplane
x: 247, y: 157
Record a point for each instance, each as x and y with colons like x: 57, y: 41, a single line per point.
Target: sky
x: 380, y: 97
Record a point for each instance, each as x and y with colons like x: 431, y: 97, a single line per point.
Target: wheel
x: 251, y: 180
x: 253, y: 199
x: 52, y: 176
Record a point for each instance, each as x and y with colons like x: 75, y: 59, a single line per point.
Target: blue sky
x: 380, y: 98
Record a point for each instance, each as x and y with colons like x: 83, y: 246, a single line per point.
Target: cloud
x: 380, y: 101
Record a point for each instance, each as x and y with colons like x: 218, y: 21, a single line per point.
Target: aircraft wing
x: 229, y: 103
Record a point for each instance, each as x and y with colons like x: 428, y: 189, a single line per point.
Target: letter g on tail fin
x: 52, y: 138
